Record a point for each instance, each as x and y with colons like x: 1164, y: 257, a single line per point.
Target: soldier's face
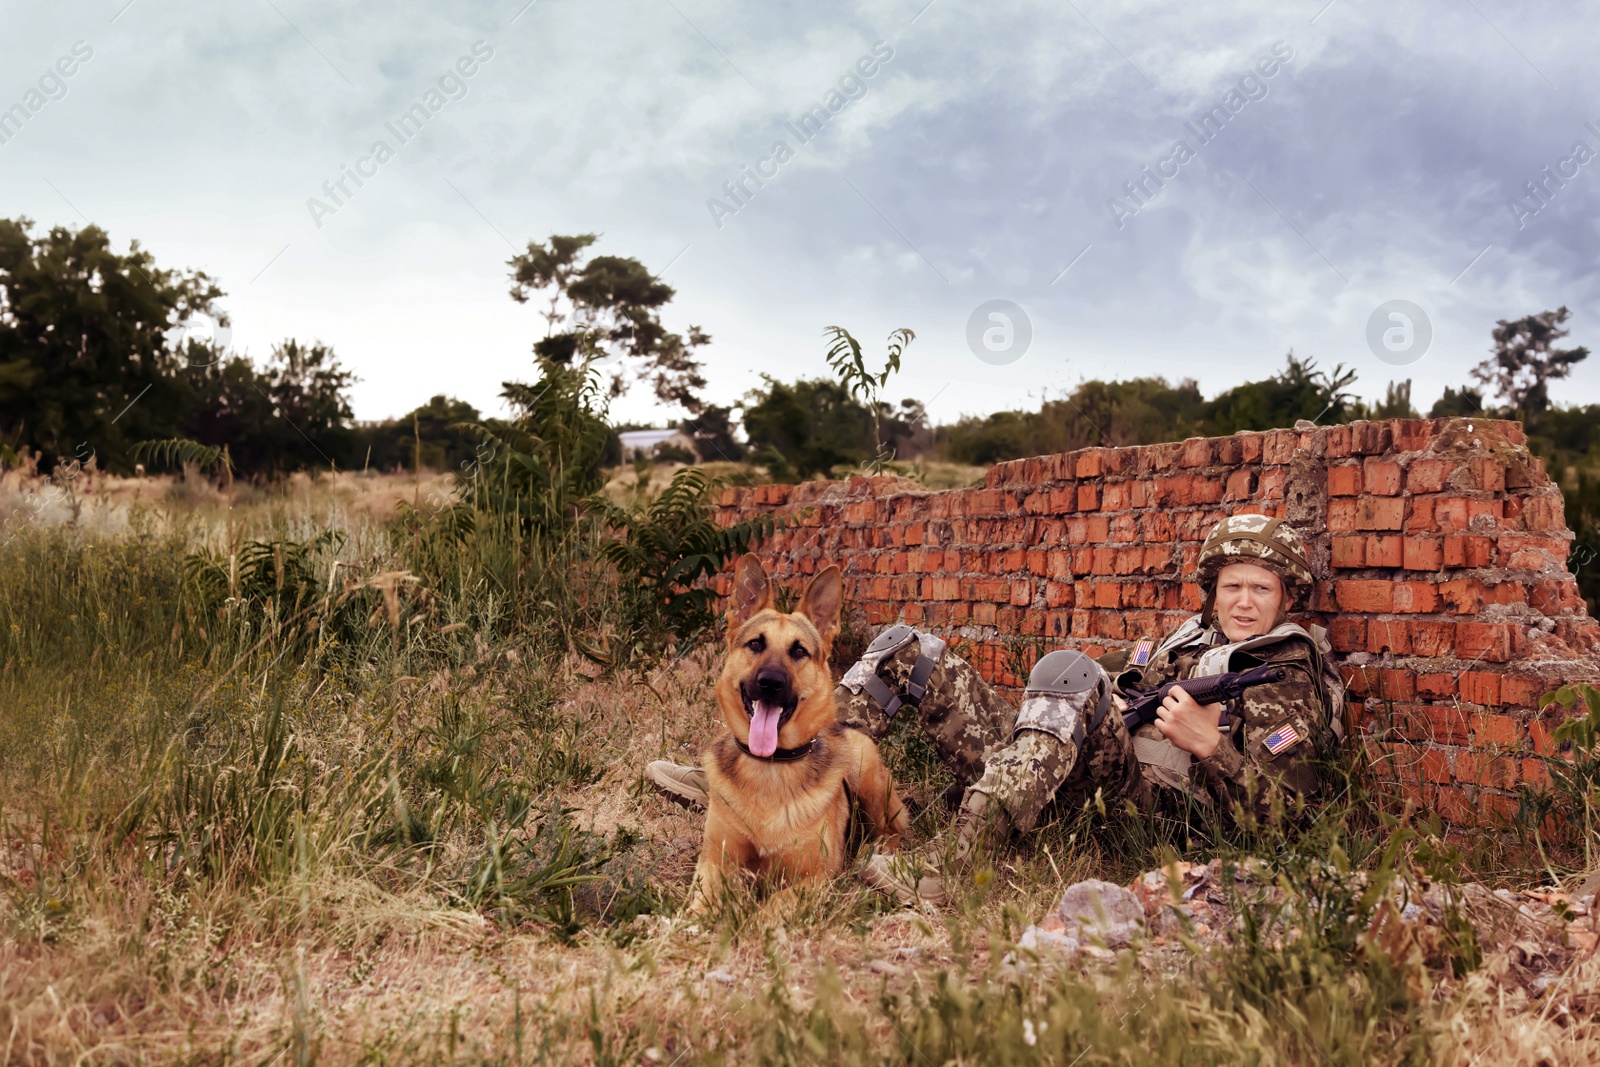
x: 1248, y: 598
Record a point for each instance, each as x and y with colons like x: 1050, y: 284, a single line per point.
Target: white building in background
x: 647, y: 441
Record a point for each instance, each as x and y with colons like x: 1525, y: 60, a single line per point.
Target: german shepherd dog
x: 783, y: 776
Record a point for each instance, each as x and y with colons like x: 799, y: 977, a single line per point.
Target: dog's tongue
x: 764, y: 728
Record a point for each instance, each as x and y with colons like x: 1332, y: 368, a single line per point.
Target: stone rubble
x: 1529, y: 939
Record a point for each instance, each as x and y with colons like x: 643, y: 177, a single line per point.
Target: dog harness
x: 863, y: 675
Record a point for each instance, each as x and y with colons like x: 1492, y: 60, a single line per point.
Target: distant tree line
x: 97, y: 355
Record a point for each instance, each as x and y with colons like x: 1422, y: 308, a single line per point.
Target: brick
x: 1336, y: 441
x: 1205, y: 490
x: 1389, y: 635
x: 1436, y: 685
x: 1432, y: 638
x: 1383, y: 550
x: 1381, y: 477
x: 1348, y: 634
x: 1423, y: 554
x: 1413, y: 435
x: 1487, y: 473
x: 1278, y: 446
x: 1480, y: 687
x: 1396, y: 685
x: 1543, y: 743
x: 1342, y: 515
x: 1380, y: 513
x: 1371, y: 438
x: 1484, y: 769
x: 1465, y: 596
x: 1197, y: 452
x: 1453, y: 805
x: 1344, y: 480
x: 1465, y: 550
x: 1483, y: 641
x: 1240, y: 485
x: 1434, y: 766
x: 1419, y: 597
x: 1451, y: 513
x: 1448, y: 725
x: 1367, y: 596
x: 1522, y: 691
x: 1349, y: 552
x: 1419, y: 514
x: 1535, y: 774
x: 1271, y: 485
x: 1491, y: 729
x: 1425, y: 476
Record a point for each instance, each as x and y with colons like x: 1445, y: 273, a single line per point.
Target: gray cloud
x: 976, y: 167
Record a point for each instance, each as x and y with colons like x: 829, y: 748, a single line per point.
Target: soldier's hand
x: 1190, y: 726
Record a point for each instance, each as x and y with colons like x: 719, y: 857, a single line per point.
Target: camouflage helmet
x: 1258, y: 539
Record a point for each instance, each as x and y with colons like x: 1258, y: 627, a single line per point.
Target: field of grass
x: 299, y: 781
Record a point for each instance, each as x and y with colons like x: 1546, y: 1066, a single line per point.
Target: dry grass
x: 306, y: 941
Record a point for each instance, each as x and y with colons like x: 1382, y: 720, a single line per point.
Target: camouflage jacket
x: 1276, y: 732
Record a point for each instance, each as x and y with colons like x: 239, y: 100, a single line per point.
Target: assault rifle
x: 1209, y: 690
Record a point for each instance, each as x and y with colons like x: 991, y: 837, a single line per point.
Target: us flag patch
x: 1141, y: 653
x: 1283, y: 737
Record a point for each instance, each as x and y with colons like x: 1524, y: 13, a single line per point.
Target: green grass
x: 258, y: 808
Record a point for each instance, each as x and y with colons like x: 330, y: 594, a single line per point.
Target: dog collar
x: 782, y: 755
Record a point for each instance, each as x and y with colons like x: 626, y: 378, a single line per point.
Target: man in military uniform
x: 1068, y: 739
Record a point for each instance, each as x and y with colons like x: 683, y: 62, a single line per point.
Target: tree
x: 1133, y: 412
x: 1526, y: 360
x: 604, y: 307
x: 1467, y: 401
x: 432, y: 435
x: 1299, y: 391
x: 712, y: 433
x: 1396, y: 404
x: 807, y: 428
x: 87, y: 366
x: 291, y: 415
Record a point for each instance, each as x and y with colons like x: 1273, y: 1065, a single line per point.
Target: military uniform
x: 1024, y: 766
x: 1063, y: 743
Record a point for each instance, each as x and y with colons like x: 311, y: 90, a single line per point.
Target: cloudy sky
x: 1357, y: 154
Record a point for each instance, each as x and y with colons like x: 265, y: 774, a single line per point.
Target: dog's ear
x: 821, y: 603
x: 752, y: 592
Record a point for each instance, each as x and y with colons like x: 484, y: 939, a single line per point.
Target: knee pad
x: 863, y: 674
x: 1068, y: 695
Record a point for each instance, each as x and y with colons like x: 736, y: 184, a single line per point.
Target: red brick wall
x: 1440, y: 547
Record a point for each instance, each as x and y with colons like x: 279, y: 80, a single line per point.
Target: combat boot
x: 678, y: 782
x: 927, y: 875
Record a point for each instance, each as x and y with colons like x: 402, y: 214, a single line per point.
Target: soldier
x: 1068, y: 739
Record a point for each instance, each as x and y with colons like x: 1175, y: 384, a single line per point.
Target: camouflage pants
x: 972, y: 728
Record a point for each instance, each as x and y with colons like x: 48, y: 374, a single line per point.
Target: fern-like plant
x: 663, y: 553
x: 182, y: 452
x: 850, y: 365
